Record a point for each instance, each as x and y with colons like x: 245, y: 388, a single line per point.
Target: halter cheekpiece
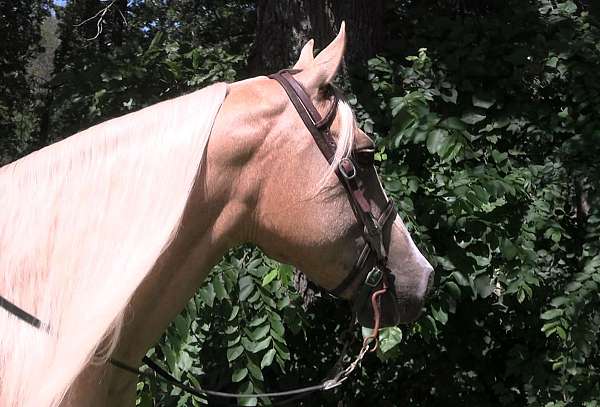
x: 319, y: 128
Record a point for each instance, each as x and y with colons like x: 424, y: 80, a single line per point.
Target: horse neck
x: 83, y: 224
x: 218, y: 216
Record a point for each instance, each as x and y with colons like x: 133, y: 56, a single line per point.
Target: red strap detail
x: 359, y: 196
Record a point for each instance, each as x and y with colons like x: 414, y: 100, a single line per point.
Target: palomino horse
x: 106, y: 235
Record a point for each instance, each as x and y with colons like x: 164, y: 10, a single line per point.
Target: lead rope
x: 370, y: 344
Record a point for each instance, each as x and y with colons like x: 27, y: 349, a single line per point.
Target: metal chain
x: 370, y: 344
x: 343, y: 375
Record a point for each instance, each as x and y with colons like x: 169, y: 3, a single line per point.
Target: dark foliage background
x: 486, y: 118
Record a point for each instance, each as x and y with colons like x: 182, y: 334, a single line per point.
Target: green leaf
x: 552, y: 314
x: 389, y: 338
x: 259, y: 332
x: 483, y: 286
x: 267, y: 359
x: 451, y: 98
x: 568, y: 7
x: 485, y: 102
x: 258, y: 320
x: 573, y: 286
x: 498, y: 156
x: 156, y: 41
x: 234, y: 312
x: 276, y: 324
x: 472, y: 118
x: 393, y: 185
x: 550, y: 326
x: 270, y: 276
x: 282, y: 350
x: 253, y: 265
x: 509, y: 249
x: 254, y: 369
x: 440, y: 315
x: 559, y: 301
x: 460, y: 278
x: 170, y: 356
x: 453, y: 289
x: 219, y: 288
x: 182, y: 326
x: 233, y: 341
x: 234, y: 353
x: 249, y: 401
x: 248, y: 344
x: 246, y: 287
x: 452, y: 123
x: 207, y: 295
x: 262, y: 345
x: 437, y: 141
x: 552, y: 62
x: 286, y: 273
x: 283, y: 303
x: 239, y: 374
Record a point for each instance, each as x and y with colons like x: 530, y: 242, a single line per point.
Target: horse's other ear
x: 325, y: 65
x: 306, y: 60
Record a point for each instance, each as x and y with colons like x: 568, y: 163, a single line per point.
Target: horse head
x: 307, y: 216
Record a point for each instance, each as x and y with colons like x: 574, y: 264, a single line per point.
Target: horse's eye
x: 365, y: 157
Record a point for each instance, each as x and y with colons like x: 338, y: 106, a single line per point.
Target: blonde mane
x: 83, y: 222
x: 344, y: 141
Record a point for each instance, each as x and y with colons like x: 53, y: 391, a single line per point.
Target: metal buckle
x: 343, y: 170
x: 374, y: 277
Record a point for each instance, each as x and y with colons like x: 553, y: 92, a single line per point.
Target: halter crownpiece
x: 348, y: 175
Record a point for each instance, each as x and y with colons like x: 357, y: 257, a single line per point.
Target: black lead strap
x: 166, y: 377
x: 22, y: 314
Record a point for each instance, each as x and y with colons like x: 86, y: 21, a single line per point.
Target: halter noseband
x: 319, y: 128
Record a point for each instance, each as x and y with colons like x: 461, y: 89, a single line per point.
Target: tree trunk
x: 284, y: 26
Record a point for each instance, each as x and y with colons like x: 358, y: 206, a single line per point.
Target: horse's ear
x: 306, y: 59
x: 329, y: 60
x: 323, y: 69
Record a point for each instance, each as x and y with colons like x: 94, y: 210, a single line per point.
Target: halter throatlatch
x: 348, y: 175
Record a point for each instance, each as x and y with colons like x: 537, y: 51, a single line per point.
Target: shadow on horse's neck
x: 217, y: 217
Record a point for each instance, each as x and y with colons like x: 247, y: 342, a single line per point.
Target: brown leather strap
x: 346, y: 172
x: 309, y: 114
x: 362, y: 212
x: 359, y: 266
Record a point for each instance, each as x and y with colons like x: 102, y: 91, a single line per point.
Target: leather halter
x: 319, y: 128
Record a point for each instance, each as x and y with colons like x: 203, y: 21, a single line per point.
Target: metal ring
x: 343, y: 171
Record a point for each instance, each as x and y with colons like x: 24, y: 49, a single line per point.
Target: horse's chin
x: 393, y: 312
